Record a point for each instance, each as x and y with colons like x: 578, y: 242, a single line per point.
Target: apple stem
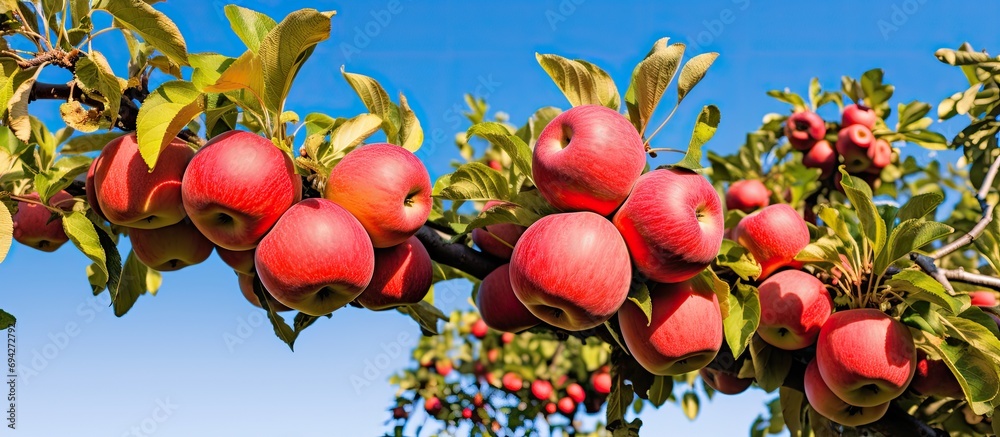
x: 501, y: 240
x: 36, y: 202
x: 652, y: 152
x: 664, y: 123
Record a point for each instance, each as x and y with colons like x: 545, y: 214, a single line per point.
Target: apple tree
x: 817, y: 261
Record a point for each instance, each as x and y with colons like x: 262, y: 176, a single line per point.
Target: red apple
x: 241, y: 261
x: 983, y: 298
x: 567, y: 406
x: 500, y: 308
x: 880, y: 154
x: 497, y: 240
x: 479, y: 329
x: 685, y: 333
x: 386, y: 187
x: 131, y: 195
x: 236, y: 188
x: 507, y: 337
x: 432, y: 405
x: 494, y: 164
x: 466, y: 413
x: 803, y: 129
x: 541, y: 389
x: 550, y: 408
x: 576, y: 393
x: 723, y: 382
x: 821, y: 156
x: 246, y: 287
x: 773, y: 235
x: 90, y: 187
x: 825, y: 402
x: 587, y: 159
x: 511, y: 382
x: 794, y: 305
x: 866, y: 357
x: 553, y: 270
x: 747, y: 195
x: 316, y: 259
x: 492, y: 355
x: 853, y: 143
x: 477, y: 400
x: 402, y: 276
x: 858, y: 114
x: 32, y: 227
x: 601, y: 382
x: 672, y: 223
x: 934, y: 378
x: 170, y: 248
x: 443, y: 367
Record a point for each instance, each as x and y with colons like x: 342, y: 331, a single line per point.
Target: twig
x: 926, y: 263
x: 960, y: 275
x: 456, y: 255
x: 976, y: 231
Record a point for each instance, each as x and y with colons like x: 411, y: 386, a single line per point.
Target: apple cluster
x: 855, y: 146
x: 240, y: 195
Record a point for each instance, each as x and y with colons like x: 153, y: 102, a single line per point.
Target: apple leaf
x: 920, y: 205
x: 6, y: 231
x: 285, y: 48
x: 860, y: 194
x: 126, y: 291
x: 975, y: 372
x: 95, y: 75
x: 411, y: 135
x: 920, y: 286
x: 693, y: 72
x: 208, y: 67
x: 59, y: 176
x: 737, y: 258
x: 607, y: 92
x: 704, y: 130
x: 513, y: 145
x: 96, y: 245
x: 651, y: 78
x: 791, y: 402
x: 689, y: 404
x: 377, y: 101
x: 660, y: 391
x: 154, y: 280
x: 923, y: 316
x: 708, y: 280
x: 166, y: 111
x: 475, y: 181
x: 770, y: 363
x: 580, y: 81
x: 249, y: 25
x: 426, y: 315
x: 19, y: 120
x: 744, y: 316
x: 979, y: 315
x: 497, y: 214
x: 281, y: 328
x: 6, y: 320
x: 910, y: 235
x: 638, y: 293
x: 619, y: 400
x: 823, y: 250
x: 349, y: 134
x: 988, y: 244
x: 88, y: 143
x: 788, y: 97
x: 153, y: 26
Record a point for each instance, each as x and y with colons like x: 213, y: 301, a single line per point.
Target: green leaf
x: 744, y: 316
x: 920, y: 205
x: 791, y: 402
x: 988, y: 244
x: 6, y: 320
x: 498, y: 135
x: 660, y: 391
x: 476, y: 181
x: 281, y: 328
x: 693, y: 72
x: 652, y: 76
x: 708, y: 280
x: 738, y: 259
x: 426, y: 315
x: 249, y: 25
x: 909, y: 236
x: 497, y: 214
x: 607, y: 92
x: 95, y: 75
x: 153, y: 26
x: 351, y: 133
x: 704, y: 130
x: 822, y: 250
x: 377, y: 101
x: 920, y: 286
x: 976, y: 373
x: 96, y: 245
x: 19, y: 120
x: 770, y: 364
x: 860, y: 195
x: 689, y: 404
x: 132, y: 284
x: 923, y: 316
x: 619, y: 400
x: 639, y: 294
x: 411, y: 135
x: 166, y: 111
x: 285, y: 48
x: 6, y: 231
x: 578, y: 82
x: 88, y: 143
x: 60, y: 176
x: 788, y: 97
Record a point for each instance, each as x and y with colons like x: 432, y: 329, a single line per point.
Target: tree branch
x: 455, y: 255
x: 127, y: 113
x: 926, y: 263
x: 960, y: 275
x: 977, y: 230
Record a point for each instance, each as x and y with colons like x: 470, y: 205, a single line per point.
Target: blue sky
x: 85, y: 372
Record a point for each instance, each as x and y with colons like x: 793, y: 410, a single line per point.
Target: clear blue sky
x: 104, y: 375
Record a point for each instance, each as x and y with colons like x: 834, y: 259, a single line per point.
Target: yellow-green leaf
x: 250, y: 26
x: 285, y: 48
x: 17, y: 108
x: 6, y: 231
x: 411, y: 135
x: 166, y: 112
x: 95, y: 75
x: 376, y: 100
x: 704, y: 130
x: 153, y: 26
x: 693, y: 72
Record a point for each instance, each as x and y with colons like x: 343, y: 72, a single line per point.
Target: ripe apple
x: 723, y: 382
x: 32, y: 227
x: 541, y: 389
x: 91, y: 189
x: 492, y: 355
x: 494, y: 164
x: 432, y: 405
x: 880, y: 154
x: 507, y: 337
x: 826, y: 402
x: 601, y: 382
x: 773, y: 235
x: 131, y: 195
x: 576, y: 393
x: 821, y: 156
x: 672, y: 223
x: 858, y: 114
x: 386, y: 187
x: 587, y: 159
x: 550, y: 408
x: 983, y: 298
x: 241, y: 261
x: 866, y: 357
x: 497, y: 240
x: 934, y: 378
x: 500, y: 308
x: 803, y: 129
x: 316, y: 259
x: 794, y: 305
x: 479, y: 329
x: 170, y: 248
x: 236, y: 188
x: 553, y: 270
x: 511, y: 382
x: 402, y: 276
x: 567, y: 406
x: 853, y: 143
x: 466, y: 413
x: 443, y: 367
x: 685, y: 333
x: 246, y: 287
x: 747, y: 195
